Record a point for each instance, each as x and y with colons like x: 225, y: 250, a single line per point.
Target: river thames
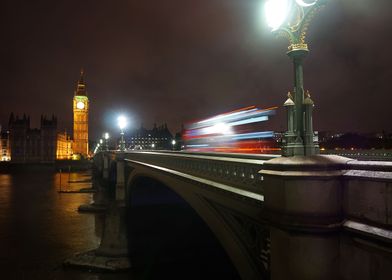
x: 40, y: 228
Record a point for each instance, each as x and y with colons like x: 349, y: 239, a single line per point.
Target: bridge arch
x: 207, y: 207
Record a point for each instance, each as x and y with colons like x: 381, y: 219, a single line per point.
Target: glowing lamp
x: 276, y: 12
x: 106, y: 136
x: 304, y: 4
x: 122, y: 122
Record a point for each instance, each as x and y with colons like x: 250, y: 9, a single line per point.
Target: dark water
x: 39, y: 228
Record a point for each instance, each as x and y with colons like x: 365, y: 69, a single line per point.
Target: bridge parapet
x: 375, y: 155
x: 368, y: 193
x: 239, y: 172
x: 330, y: 209
x: 330, y: 187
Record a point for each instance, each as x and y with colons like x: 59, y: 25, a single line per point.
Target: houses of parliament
x: 22, y: 144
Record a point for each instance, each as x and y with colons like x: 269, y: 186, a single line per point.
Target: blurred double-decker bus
x: 239, y: 131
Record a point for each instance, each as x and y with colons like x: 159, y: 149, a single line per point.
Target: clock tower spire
x: 80, y: 118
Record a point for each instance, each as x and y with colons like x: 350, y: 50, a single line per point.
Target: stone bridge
x: 317, y: 217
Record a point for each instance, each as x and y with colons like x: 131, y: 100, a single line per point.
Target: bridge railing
x: 377, y: 155
x: 368, y: 193
x: 240, y: 171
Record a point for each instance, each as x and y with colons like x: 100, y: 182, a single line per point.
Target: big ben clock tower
x: 80, y: 119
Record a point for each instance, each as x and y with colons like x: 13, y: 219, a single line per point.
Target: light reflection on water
x: 5, y: 183
x: 40, y: 227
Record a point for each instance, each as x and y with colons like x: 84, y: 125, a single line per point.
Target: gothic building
x: 5, y: 150
x: 64, y: 146
x: 32, y: 145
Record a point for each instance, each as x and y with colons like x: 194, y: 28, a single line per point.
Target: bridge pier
x: 303, y: 203
x: 114, y: 240
x: 100, y: 198
x: 112, y: 253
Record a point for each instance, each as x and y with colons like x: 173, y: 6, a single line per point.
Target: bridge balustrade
x: 239, y: 171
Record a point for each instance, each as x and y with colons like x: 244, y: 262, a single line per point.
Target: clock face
x: 80, y: 105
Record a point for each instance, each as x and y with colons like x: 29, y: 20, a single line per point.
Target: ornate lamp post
x: 122, y: 123
x: 291, y: 18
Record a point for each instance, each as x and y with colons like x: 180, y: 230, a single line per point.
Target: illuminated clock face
x: 80, y: 105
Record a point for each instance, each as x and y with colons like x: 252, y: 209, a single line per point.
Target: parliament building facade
x: 22, y: 144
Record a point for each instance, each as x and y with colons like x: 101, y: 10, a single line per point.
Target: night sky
x: 178, y: 60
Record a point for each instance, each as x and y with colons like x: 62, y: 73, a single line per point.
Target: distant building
x: 64, y: 146
x: 23, y: 144
x: 157, y: 138
x: 32, y: 145
x: 5, y: 150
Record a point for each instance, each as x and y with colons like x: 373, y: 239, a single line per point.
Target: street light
x: 106, y: 137
x: 173, y: 143
x: 291, y: 18
x: 122, y: 123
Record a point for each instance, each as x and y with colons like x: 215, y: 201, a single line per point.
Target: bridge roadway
x: 319, y: 217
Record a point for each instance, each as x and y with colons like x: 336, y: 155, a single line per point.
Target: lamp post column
x: 291, y: 18
x: 295, y: 145
x: 122, y: 144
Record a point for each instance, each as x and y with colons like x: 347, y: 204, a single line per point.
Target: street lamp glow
x: 276, y: 12
x: 122, y: 122
x: 304, y: 4
x: 100, y: 141
x: 106, y: 135
x: 173, y: 144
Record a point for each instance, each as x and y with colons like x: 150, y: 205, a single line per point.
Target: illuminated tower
x: 80, y: 118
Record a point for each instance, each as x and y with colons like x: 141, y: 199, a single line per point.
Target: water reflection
x: 40, y: 227
x: 5, y: 184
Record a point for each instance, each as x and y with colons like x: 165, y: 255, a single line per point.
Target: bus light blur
x: 239, y: 131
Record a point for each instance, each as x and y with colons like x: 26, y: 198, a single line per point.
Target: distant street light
x: 122, y: 123
x: 106, y: 137
x: 173, y: 143
x: 153, y: 145
x: 291, y: 18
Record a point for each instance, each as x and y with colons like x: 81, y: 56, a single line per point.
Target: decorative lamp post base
x: 299, y: 149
